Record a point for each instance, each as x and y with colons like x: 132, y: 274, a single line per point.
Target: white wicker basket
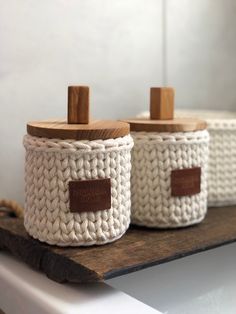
x: 154, y: 157
x: 51, y: 164
x: 222, y: 159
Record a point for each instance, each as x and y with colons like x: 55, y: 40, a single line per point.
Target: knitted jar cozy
x: 154, y: 156
x: 221, y: 126
x: 51, y: 164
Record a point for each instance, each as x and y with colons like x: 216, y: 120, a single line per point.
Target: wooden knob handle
x: 78, y: 104
x: 162, y: 103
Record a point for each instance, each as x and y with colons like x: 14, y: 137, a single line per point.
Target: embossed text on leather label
x: 186, y: 182
x: 90, y: 195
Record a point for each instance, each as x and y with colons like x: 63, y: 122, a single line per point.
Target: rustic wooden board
x: 138, y: 249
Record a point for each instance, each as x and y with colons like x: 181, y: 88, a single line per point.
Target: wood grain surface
x: 162, y: 115
x: 78, y: 125
x: 176, y: 125
x: 94, y: 130
x: 139, y: 248
x: 78, y: 104
x: 162, y: 103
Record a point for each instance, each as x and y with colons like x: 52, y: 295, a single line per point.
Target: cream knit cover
x: 51, y: 164
x: 154, y: 156
x: 222, y: 159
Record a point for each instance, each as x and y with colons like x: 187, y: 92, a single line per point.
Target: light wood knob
x: 78, y: 104
x: 162, y: 103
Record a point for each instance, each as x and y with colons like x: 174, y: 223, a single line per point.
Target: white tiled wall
x: 116, y: 47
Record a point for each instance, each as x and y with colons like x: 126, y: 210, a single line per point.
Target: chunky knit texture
x: 222, y: 167
x: 154, y: 156
x: 51, y: 164
x: 222, y: 158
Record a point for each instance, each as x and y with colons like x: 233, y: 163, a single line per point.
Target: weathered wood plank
x: 138, y: 249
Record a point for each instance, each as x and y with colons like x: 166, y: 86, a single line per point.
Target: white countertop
x: 204, y: 283
x: 25, y: 291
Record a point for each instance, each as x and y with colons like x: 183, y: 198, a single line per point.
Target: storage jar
x: 169, y: 166
x: 77, y: 176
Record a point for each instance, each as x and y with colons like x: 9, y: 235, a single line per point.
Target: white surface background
x: 204, y: 283
x: 116, y: 47
x: 25, y: 291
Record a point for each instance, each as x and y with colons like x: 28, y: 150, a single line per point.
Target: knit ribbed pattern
x: 222, y: 167
x: 154, y: 156
x: 221, y: 126
x: 50, y: 165
x: 222, y: 159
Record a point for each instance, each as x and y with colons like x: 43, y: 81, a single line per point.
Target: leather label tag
x: 90, y: 195
x: 186, y: 182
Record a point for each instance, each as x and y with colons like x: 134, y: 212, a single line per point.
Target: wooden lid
x: 78, y: 125
x: 162, y: 115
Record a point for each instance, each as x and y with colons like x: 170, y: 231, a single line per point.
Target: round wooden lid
x: 162, y: 115
x: 78, y: 125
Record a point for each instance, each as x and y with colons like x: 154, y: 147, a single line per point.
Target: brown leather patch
x: 185, y: 182
x: 90, y: 195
